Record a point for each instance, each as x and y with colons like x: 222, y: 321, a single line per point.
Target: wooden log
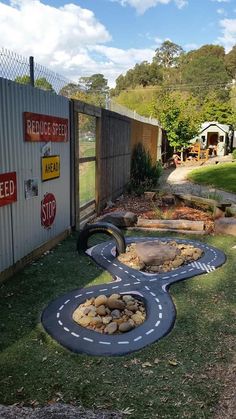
x: 171, y: 224
x: 163, y: 230
x: 197, y: 200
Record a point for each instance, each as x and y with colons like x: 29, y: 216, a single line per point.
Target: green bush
x: 234, y: 154
x: 144, y: 174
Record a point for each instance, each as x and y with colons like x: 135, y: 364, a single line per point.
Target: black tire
x: 106, y: 228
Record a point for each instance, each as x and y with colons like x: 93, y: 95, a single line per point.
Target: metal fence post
x: 31, y: 64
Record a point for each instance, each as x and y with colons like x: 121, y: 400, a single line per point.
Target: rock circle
x: 159, y: 256
x: 110, y: 315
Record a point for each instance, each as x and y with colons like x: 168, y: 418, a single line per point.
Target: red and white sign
x: 8, y: 188
x: 48, y: 210
x: 39, y: 127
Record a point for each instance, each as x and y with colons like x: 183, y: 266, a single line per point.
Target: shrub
x: 144, y: 174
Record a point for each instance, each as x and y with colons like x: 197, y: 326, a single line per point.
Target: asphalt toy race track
x: 151, y: 288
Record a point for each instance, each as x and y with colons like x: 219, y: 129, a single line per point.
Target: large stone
x: 112, y: 303
x: 101, y: 310
x: 153, y: 253
x: 226, y: 226
x: 100, y: 300
x: 111, y: 328
x: 120, y: 218
x: 126, y: 326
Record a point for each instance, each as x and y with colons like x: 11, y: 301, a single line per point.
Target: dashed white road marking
x: 194, y: 265
x: 149, y: 331
x: 88, y: 339
x: 66, y: 329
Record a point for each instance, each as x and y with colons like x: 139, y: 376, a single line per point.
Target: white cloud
x: 124, y: 57
x: 57, y: 37
x: 221, y: 1
x: 116, y: 61
x: 143, y: 5
x: 68, y: 40
x: 221, y: 11
x: 158, y: 42
x: 228, y: 39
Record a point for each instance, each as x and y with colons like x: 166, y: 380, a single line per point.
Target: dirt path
x: 175, y: 181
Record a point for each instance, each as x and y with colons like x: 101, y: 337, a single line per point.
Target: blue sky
x: 80, y: 38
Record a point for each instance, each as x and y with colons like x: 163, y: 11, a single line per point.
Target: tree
x: 69, y: 90
x: 205, y: 74
x: 230, y: 62
x: 205, y: 51
x: 120, y: 85
x: 94, y: 83
x: 23, y: 79
x: 215, y: 110
x: 168, y: 54
x: 43, y: 84
x: 96, y: 87
x: 178, y: 115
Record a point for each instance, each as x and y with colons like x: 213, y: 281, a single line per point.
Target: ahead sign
x: 48, y: 210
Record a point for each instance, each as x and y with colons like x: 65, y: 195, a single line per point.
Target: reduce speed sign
x: 48, y: 210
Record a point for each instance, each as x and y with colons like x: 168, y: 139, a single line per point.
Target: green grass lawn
x: 180, y: 376
x: 222, y: 176
x: 87, y: 182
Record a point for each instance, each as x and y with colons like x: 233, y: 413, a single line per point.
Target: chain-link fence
x: 24, y: 70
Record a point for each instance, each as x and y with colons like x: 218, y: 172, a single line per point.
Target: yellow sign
x: 50, y: 167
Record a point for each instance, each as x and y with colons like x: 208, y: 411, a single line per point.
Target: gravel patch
x: 55, y: 411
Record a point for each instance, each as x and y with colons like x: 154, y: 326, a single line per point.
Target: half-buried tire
x: 98, y: 228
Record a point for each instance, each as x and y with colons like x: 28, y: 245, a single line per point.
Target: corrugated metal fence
x: 23, y: 231
x: 20, y: 222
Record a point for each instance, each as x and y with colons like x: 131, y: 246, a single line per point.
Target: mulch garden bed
x: 154, y: 209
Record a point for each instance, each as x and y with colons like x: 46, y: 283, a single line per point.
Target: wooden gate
x: 102, y: 155
x: 86, y: 127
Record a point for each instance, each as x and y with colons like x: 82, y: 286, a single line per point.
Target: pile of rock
x: 158, y: 256
x: 110, y: 315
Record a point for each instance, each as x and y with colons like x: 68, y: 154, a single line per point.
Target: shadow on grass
x: 24, y: 296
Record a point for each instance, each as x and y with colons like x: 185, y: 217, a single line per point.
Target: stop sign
x: 48, y: 210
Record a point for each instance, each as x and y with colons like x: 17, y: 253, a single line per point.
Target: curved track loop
x: 151, y: 288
